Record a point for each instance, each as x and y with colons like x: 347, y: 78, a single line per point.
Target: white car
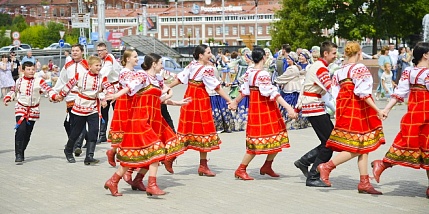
x: 55, y: 46
x: 8, y: 49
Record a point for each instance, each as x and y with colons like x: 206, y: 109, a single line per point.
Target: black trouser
x: 22, y: 135
x: 78, y: 124
x: 323, y: 127
x: 166, y: 116
x: 67, y: 123
x: 105, y: 111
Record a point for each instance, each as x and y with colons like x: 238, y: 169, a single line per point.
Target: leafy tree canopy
x: 295, y: 27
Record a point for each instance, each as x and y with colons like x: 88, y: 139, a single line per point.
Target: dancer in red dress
x: 196, y: 126
x: 411, y: 146
x: 147, y: 138
x: 266, y: 130
x: 358, y: 130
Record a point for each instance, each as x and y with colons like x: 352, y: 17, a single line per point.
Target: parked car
x: 168, y: 63
x: 24, y: 46
x: 8, y: 49
x: 55, y: 46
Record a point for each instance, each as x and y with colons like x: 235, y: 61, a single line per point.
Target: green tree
x: 4, y: 40
x: 52, y: 33
x: 356, y: 19
x: 19, y: 24
x: 34, y: 36
x: 5, y: 19
x: 295, y: 27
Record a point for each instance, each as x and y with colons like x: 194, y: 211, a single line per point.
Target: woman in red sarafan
x: 147, y: 137
x: 196, y: 126
x: 411, y: 146
x: 266, y: 130
x: 122, y: 107
x: 358, y: 129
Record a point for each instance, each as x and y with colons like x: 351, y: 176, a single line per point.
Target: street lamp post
x: 189, y: 43
x: 256, y: 23
x: 223, y: 21
x: 177, y: 28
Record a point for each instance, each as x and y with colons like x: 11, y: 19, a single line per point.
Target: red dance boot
x: 168, y: 164
x: 138, y: 183
x: 378, y: 166
x: 128, y: 176
x: 111, y: 157
x: 112, y: 184
x: 366, y: 187
x: 325, y: 169
x: 204, y: 169
x: 152, y: 187
x: 266, y: 169
x: 241, y: 173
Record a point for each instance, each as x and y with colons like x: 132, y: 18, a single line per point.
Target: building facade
x: 189, y: 22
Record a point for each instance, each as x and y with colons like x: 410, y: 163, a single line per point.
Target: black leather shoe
x: 315, y: 183
x: 77, y: 152
x: 90, y: 161
x: 69, y: 157
x: 19, y: 159
x: 304, y: 169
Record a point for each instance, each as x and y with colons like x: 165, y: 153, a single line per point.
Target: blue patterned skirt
x: 292, y: 100
x: 222, y: 116
x: 240, y: 115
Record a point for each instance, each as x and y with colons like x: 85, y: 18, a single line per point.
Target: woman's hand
x: 232, y: 105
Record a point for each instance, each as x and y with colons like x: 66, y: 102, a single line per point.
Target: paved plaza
x: 46, y: 183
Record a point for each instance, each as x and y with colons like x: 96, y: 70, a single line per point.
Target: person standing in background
x: 393, y: 54
x: 15, y: 65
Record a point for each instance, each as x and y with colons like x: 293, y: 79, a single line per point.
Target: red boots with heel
x: 378, y: 166
x: 112, y: 185
x: 241, y: 173
x: 204, y: 169
x: 325, y: 169
x: 366, y: 187
x: 152, y: 188
x: 266, y: 169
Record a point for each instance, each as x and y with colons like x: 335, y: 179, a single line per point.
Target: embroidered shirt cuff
x: 400, y: 99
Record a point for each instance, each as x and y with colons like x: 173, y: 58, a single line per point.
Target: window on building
x: 242, y: 30
x: 130, y: 31
x: 234, y: 31
x: 136, y: 6
x: 209, y: 19
x: 234, y: 43
x: 209, y: 31
x: 217, y: 31
x: 268, y: 28
x: 173, y: 31
x: 188, y: 19
x: 259, y: 30
x: 251, y: 30
x: 127, y: 6
x: 197, y: 31
x: 226, y: 31
x: 54, y: 12
x: 109, y: 6
x: 32, y: 12
x: 118, y: 6
x: 74, y: 10
x: 165, y: 32
x: 62, y: 12
x: 181, y: 32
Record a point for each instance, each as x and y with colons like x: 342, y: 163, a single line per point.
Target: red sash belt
x: 26, y: 114
x: 86, y: 97
x: 310, y: 94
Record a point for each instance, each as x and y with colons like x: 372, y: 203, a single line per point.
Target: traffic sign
x: 82, y: 40
x: 62, y: 33
x: 80, y: 20
x: 16, y: 43
x: 61, y: 43
x: 15, y: 35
